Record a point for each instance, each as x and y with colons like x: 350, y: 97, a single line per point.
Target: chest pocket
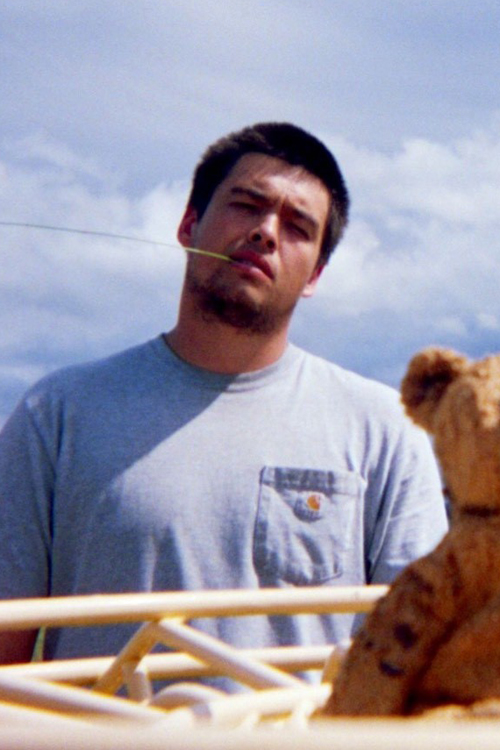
x: 307, y: 521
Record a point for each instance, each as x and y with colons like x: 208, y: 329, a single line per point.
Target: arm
x: 16, y: 646
x: 406, y: 510
x: 26, y: 482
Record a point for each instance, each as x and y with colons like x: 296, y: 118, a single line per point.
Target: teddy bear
x: 434, y: 639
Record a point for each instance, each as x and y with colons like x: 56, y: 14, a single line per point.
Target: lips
x: 252, y: 259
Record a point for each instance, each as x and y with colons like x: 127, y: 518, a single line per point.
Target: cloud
x: 488, y: 321
x: 425, y: 228
x: 420, y: 257
x: 146, y: 85
x: 418, y: 265
x: 68, y: 297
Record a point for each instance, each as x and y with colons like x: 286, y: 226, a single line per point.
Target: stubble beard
x: 217, y: 301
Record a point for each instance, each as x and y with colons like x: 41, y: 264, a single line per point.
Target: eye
x: 299, y: 230
x: 244, y: 206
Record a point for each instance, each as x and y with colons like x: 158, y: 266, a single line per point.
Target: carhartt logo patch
x: 314, y: 502
x: 310, y: 507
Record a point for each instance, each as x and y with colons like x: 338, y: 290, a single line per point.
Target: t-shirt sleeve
x: 26, y: 480
x: 411, y: 516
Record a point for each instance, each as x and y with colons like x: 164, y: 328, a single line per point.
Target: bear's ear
x: 428, y: 376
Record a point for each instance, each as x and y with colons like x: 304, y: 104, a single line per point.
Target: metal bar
x: 21, y: 614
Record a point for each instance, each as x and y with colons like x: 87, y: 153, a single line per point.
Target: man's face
x: 269, y: 218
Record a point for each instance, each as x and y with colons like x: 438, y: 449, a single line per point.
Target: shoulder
x: 87, y: 380
x: 369, y: 411
x: 357, y: 391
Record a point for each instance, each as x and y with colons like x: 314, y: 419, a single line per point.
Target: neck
x: 219, y: 347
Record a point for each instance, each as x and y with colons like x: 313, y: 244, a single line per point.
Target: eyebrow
x: 264, y: 199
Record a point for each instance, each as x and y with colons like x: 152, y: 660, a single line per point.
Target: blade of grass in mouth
x: 128, y: 238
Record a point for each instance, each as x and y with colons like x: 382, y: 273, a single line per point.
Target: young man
x: 220, y: 455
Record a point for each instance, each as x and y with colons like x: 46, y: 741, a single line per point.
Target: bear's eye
x: 405, y: 635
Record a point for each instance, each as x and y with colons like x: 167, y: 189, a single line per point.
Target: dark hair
x: 283, y: 141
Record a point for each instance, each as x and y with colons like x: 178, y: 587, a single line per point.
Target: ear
x: 429, y: 375
x: 310, y: 287
x: 187, y: 227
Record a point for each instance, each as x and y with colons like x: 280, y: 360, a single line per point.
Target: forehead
x: 279, y: 181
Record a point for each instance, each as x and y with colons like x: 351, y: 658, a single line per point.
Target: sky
x: 107, y: 107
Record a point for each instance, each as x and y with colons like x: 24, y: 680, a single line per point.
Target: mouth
x: 252, y: 260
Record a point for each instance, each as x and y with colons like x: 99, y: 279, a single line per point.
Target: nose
x: 266, y: 233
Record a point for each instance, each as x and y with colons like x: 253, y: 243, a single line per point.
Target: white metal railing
x: 74, y: 703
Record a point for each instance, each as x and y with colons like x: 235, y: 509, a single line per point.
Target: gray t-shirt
x: 143, y: 473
